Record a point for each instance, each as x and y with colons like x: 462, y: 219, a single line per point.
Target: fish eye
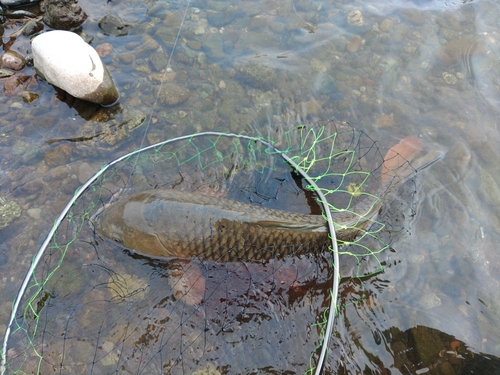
x: 116, y: 239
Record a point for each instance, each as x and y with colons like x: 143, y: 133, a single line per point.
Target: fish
x: 169, y: 223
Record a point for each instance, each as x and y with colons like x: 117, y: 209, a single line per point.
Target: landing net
x: 89, y: 306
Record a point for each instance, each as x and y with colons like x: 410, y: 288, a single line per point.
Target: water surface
x: 390, y: 69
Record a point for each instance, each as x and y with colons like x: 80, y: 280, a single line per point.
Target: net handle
x: 84, y: 187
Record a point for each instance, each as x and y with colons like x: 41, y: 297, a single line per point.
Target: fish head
x: 124, y: 223
x: 110, y: 224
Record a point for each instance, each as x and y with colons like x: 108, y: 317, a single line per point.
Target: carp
x: 165, y: 223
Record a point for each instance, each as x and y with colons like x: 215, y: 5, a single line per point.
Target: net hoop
x: 84, y: 187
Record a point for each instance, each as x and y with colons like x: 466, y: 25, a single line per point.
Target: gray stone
x: 259, y: 75
x: 114, y: 25
x: 15, y: 3
x: 32, y: 27
x: 66, y: 61
x: 213, y: 44
x: 63, y: 14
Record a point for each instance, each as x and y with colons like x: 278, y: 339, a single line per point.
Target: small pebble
x: 450, y: 79
x: 354, y: 44
x: 355, y: 18
x: 12, y: 60
x: 29, y: 97
x: 200, y: 30
x: 34, y: 213
x: 126, y: 58
x: 386, y: 25
x: 104, y: 49
x: 385, y: 121
x: 430, y: 300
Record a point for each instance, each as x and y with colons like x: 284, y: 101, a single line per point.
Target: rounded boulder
x: 66, y: 61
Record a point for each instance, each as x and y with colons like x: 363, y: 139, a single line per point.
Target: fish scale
x: 166, y: 223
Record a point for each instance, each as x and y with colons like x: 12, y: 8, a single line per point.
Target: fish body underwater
x: 165, y: 223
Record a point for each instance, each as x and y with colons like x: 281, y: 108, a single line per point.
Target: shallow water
x: 391, y: 69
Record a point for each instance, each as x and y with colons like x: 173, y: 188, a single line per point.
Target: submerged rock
x: 355, y: 18
x: 9, y: 210
x: 58, y: 155
x: 108, y: 127
x: 16, y: 83
x: 173, y: 94
x: 259, y: 75
x: 29, y: 97
x: 4, y: 73
x: 66, y: 61
x: 114, y: 25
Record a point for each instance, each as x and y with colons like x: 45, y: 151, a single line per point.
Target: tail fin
x: 408, y: 157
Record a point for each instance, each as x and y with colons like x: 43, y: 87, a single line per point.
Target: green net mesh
x: 92, y: 307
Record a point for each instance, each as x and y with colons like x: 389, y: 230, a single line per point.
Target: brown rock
x: 85, y: 171
x: 12, y: 60
x: 104, y: 49
x: 453, y: 51
x: 58, y: 155
x: 32, y: 186
x: 194, y: 44
x: 147, y: 45
x: 29, y: 97
x: 354, y: 44
x: 163, y: 77
x: 126, y: 58
x: 154, y: 137
x: 16, y: 83
x: 173, y: 94
x: 385, y: 121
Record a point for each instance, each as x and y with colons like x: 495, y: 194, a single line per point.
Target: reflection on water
x: 392, y: 69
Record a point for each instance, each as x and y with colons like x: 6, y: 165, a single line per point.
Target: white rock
x: 66, y: 61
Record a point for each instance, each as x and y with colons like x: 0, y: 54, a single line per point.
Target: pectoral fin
x: 301, y: 227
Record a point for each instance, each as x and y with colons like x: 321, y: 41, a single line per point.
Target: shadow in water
x: 422, y: 350
x: 425, y: 350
